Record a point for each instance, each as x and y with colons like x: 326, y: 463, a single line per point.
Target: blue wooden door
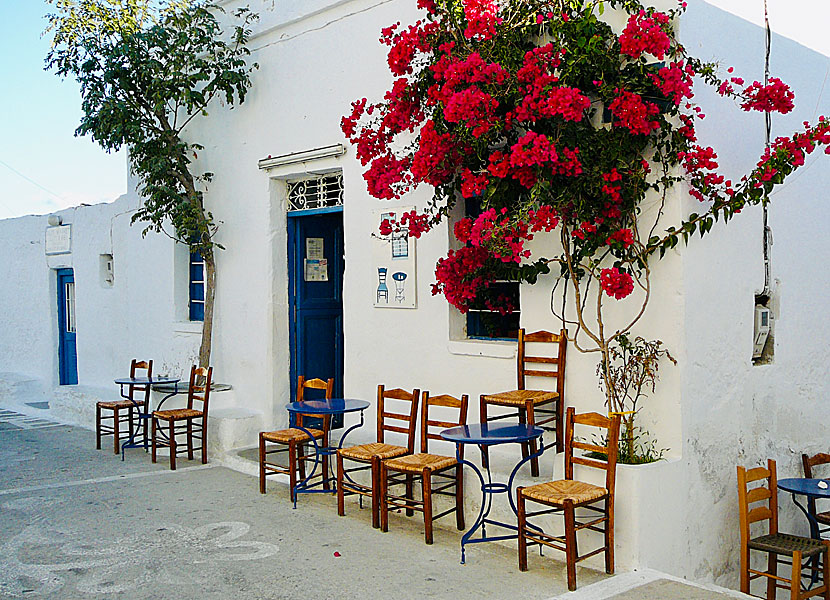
x: 316, y: 262
x: 67, y: 352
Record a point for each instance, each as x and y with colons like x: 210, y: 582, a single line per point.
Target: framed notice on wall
x: 393, y: 264
x: 59, y: 239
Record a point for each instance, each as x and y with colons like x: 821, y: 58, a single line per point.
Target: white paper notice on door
x: 316, y: 269
x: 314, y: 248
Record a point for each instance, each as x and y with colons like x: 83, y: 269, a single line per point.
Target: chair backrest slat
x: 199, y: 387
x: 766, y: 491
x: 557, y: 362
x: 135, y: 367
x: 611, y: 436
x: 812, y: 461
x: 304, y: 384
x: 431, y: 428
x: 385, y: 415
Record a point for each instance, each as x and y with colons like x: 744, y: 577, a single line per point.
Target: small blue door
x: 67, y: 352
x: 315, y: 268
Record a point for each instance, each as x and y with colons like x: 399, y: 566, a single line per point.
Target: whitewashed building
x: 282, y: 153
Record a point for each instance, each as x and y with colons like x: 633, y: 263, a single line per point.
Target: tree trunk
x: 210, y: 295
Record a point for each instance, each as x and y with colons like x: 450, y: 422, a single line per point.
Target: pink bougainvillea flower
x: 616, y: 283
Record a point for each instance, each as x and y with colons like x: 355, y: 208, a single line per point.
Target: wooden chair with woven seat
x: 534, y: 407
x: 189, y: 421
x: 809, y: 462
x: 371, y: 455
x: 292, y: 441
x: 774, y: 543
x: 137, y: 396
x: 446, y: 469
x: 566, y: 495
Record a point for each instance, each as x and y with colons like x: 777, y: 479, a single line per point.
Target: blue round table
x: 486, y: 435
x: 323, y: 408
x: 143, y: 413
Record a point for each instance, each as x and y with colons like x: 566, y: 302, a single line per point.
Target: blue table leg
x: 143, y: 416
x: 303, y: 487
x: 488, y: 491
x: 814, y: 533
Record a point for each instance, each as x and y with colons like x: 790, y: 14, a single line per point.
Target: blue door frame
x: 67, y: 350
x: 316, y: 307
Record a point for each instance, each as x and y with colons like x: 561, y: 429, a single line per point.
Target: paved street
x: 76, y: 522
x: 79, y: 523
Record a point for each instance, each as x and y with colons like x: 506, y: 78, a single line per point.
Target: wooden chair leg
x: 795, y: 583
x: 522, y: 525
x: 410, y: 493
x: 172, y: 445
x: 261, y: 463
x: 426, y: 491
x: 153, y: 438
x: 525, y: 446
x: 485, y: 454
x: 825, y: 570
x: 375, y: 491
x: 744, y: 569
x: 341, y: 504
x: 570, y: 544
x: 772, y: 569
x: 190, y: 439
x: 300, y: 459
x: 292, y: 469
x: 459, y: 497
x: 531, y: 421
x: 97, y: 427
x: 116, y: 426
x: 384, y: 498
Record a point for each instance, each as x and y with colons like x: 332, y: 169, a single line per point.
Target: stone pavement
x: 76, y: 522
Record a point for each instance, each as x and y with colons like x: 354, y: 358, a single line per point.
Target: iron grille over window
x: 315, y: 193
x: 197, y: 287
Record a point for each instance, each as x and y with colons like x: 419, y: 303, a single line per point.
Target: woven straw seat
x: 365, y: 452
x: 556, y: 492
x: 520, y: 397
x: 823, y: 517
x: 117, y: 404
x: 416, y: 463
x: 785, y: 543
x: 283, y: 436
x: 177, y: 413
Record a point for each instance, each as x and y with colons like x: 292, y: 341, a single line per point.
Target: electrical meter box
x: 762, y: 329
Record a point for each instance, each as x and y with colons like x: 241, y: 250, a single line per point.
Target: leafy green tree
x: 147, y: 69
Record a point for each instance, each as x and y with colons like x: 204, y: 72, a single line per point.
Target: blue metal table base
x: 142, y: 417
x: 305, y: 486
x: 488, y: 491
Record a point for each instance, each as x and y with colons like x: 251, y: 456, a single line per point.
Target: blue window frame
x: 197, y: 287
x: 483, y: 322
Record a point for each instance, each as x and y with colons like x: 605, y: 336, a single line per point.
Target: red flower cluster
x: 503, y: 238
x: 625, y: 237
x: 543, y: 219
x: 411, y: 223
x: 460, y: 276
x: 645, y: 33
x: 436, y: 157
x: 405, y: 45
x: 473, y: 185
x: 474, y: 108
x: 774, y: 97
x: 675, y: 81
x: 633, y: 113
x: 616, y: 283
x: 482, y: 18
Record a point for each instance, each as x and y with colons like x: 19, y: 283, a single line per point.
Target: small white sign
x: 59, y: 239
x: 316, y: 269
x: 314, y: 248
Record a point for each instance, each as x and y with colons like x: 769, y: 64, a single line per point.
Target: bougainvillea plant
x: 556, y: 122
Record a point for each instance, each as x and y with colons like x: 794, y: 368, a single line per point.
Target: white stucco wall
x: 713, y: 411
